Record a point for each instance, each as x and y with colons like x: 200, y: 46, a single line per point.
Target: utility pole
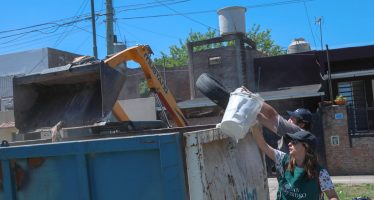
x: 319, y: 21
x: 329, y: 73
x: 93, y: 28
x: 109, y: 27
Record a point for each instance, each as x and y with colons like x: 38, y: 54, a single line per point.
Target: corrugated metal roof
x: 6, y: 86
x: 280, y: 94
x: 7, y: 125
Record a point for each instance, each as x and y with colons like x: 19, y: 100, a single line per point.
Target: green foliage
x: 349, y: 191
x: 263, y: 41
x: 340, y: 98
x: 178, y: 54
x: 144, y: 91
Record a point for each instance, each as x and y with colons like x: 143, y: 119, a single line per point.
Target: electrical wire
x: 150, y: 6
x: 310, y: 25
x: 70, y: 28
x: 185, y: 16
x: 26, y: 41
x: 143, y: 4
x: 87, y: 38
x: 62, y: 36
x: 214, y: 11
x: 151, y: 31
x: 39, y: 30
x: 54, y: 26
x: 119, y: 31
x: 83, y: 17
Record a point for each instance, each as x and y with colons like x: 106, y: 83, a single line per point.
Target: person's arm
x: 261, y: 143
x: 331, y: 194
x: 268, y: 117
x: 327, y: 186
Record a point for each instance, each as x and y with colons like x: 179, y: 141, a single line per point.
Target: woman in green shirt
x: 300, y: 175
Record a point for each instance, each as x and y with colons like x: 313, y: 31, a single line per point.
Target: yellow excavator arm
x: 142, y: 55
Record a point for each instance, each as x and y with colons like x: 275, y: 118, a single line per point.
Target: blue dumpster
x: 135, y: 167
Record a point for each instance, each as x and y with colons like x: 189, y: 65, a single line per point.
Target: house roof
x: 7, y: 125
x: 196, y: 103
x: 293, y: 92
x: 351, y: 74
x: 287, y: 70
x: 279, y: 94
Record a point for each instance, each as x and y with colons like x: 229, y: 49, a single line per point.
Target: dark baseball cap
x: 301, y: 113
x: 303, y: 136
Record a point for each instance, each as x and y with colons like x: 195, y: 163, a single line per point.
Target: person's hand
x: 256, y: 129
x: 245, y: 89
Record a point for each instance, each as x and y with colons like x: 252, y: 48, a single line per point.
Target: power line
x: 119, y: 30
x: 185, y: 16
x: 310, y: 25
x: 167, y: 15
x: 66, y: 33
x: 86, y: 16
x: 214, y: 11
x: 149, y: 3
x: 39, y: 40
x: 151, y: 6
x: 151, y: 31
x: 63, y: 35
x: 57, y: 26
x: 54, y: 26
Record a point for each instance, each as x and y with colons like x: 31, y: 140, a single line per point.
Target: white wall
x: 7, y: 134
x: 6, y: 116
x: 24, y: 62
x: 140, y: 109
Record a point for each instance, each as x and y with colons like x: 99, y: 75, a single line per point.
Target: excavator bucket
x: 77, y: 95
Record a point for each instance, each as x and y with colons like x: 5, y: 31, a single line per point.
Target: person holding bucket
x: 300, y: 119
x: 300, y: 175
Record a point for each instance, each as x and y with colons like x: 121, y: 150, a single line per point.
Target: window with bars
x: 360, y: 115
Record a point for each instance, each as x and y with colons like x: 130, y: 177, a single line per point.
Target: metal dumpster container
x: 180, y: 163
x: 76, y: 94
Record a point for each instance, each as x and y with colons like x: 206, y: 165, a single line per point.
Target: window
x: 214, y: 60
x: 335, y: 140
x: 360, y: 114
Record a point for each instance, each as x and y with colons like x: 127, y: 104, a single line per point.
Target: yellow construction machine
x: 84, y: 93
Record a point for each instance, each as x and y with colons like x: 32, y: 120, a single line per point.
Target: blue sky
x: 345, y: 22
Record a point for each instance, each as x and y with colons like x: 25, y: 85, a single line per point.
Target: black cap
x: 303, y: 136
x: 302, y: 113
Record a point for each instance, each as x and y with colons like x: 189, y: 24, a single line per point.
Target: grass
x: 349, y: 191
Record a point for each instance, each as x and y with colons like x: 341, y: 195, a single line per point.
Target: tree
x: 178, y: 54
x: 144, y: 91
x: 263, y: 41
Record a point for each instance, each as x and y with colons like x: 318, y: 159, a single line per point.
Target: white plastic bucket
x: 241, y: 113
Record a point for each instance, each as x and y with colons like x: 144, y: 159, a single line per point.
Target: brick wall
x: 343, y: 158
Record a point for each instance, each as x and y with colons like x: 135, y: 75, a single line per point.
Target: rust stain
x: 35, y: 162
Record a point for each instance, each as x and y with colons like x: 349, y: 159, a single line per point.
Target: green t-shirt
x: 295, y: 186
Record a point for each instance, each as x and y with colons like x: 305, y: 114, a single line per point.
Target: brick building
x: 347, y: 154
